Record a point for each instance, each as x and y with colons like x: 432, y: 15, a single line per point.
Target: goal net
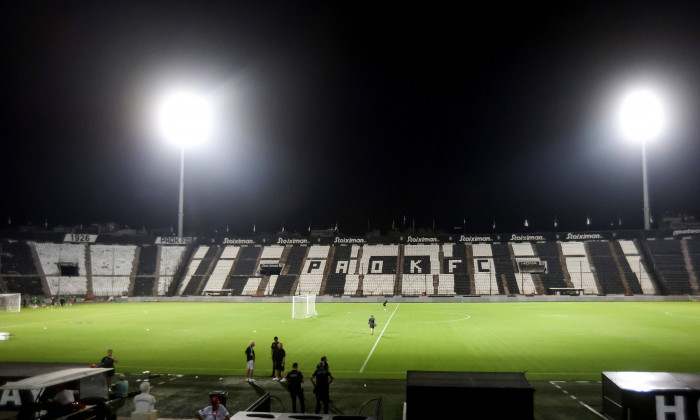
x: 303, y: 306
x: 10, y: 302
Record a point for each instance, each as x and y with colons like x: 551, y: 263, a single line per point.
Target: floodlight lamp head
x: 185, y: 118
x: 642, y: 115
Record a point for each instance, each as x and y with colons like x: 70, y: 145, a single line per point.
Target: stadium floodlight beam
x: 642, y: 119
x: 185, y: 119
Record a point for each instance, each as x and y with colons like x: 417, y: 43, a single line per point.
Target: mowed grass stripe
x: 549, y: 341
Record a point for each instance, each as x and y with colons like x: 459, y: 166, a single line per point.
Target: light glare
x: 185, y: 119
x: 642, y: 115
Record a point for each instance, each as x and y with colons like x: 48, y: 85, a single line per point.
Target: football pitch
x: 548, y: 341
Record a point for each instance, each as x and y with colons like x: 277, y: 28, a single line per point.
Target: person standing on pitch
x: 295, y: 379
x: 384, y: 304
x: 322, y: 380
x: 324, y: 360
x: 279, y: 360
x: 250, y: 358
x: 273, y: 349
x: 371, y: 323
x: 108, y: 362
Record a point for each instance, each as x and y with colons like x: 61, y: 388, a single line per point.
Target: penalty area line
x: 379, y: 338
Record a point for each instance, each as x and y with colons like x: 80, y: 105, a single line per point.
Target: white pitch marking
x: 591, y: 409
x: 379, y: 338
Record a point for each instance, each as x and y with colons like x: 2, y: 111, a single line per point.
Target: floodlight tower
x: 642, y: 119
x: 185, y: 119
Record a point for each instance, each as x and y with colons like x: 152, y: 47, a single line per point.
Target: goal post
x: 10, y: 302
x: 303, y: 306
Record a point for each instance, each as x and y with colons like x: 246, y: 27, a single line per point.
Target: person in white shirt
x: 215, y: 411
x: 144, y: 402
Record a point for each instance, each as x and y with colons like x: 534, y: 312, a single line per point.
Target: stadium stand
x: 667, y: 257
x: 111, y: 268
x: 318, y: 252
x: 503, y: 263
x: 309, y: 284
x: 352, y: 283
x: 631, y: 279
x: 482, y: 250
x: 573, y: 249
x: 270, y: 285
x: 606, y: 267
x: 378, y: 264
x: 56, y: 259
x: 344, y: 262
x: 169, y: 260
x: 693, y: 247
x: 581, y: 276
x: 335, y: 285
x: 144, y: 283
x: 446, y: 284
x: 417, y: 284
x: 251, y: 286
x: 247, y: 260
x: 429, y: 265
x: 218, y: 276
x: 188, y: 286
x: 283, y: 286
x: 272, y: 252
x: 457, y: 265
x: 295, y: 260
x: 378, y: 284
x: 637, y: 266
x: 236, y: 285
x: 18, y: 270
x: 655, y: 265
x: 524, y: 252
x: 522, y: 249
x: 554, y: 277
x: 216, y: 282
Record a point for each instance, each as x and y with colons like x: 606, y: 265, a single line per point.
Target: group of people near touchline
x: 321, y: 379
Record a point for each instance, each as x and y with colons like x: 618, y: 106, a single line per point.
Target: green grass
x: 549, y: 341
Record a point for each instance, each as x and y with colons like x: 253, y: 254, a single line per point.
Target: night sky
x: 347, y: 113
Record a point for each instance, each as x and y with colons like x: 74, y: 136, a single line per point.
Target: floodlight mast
x: 185, y: 119
x: 181, y: 207
x: 642, y: 119
x: 645, y: 185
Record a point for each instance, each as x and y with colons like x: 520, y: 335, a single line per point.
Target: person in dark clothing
x: 108, y: 362
x: 273, y: 349
x: 294, y: 379
x: 324, y: 359
x: 322, y: 379
x: 279, y: 360
x: 372, y: 323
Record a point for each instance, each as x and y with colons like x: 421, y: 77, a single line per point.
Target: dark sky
x: 347, y: 112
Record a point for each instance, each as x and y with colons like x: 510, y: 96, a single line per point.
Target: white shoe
x: 247, y: 379
x: 275, y: 379
x: 283, y: 380
x: 251, y: 380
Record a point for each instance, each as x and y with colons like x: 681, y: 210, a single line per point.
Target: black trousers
x: 294, y: 393
x: 322, y: 397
